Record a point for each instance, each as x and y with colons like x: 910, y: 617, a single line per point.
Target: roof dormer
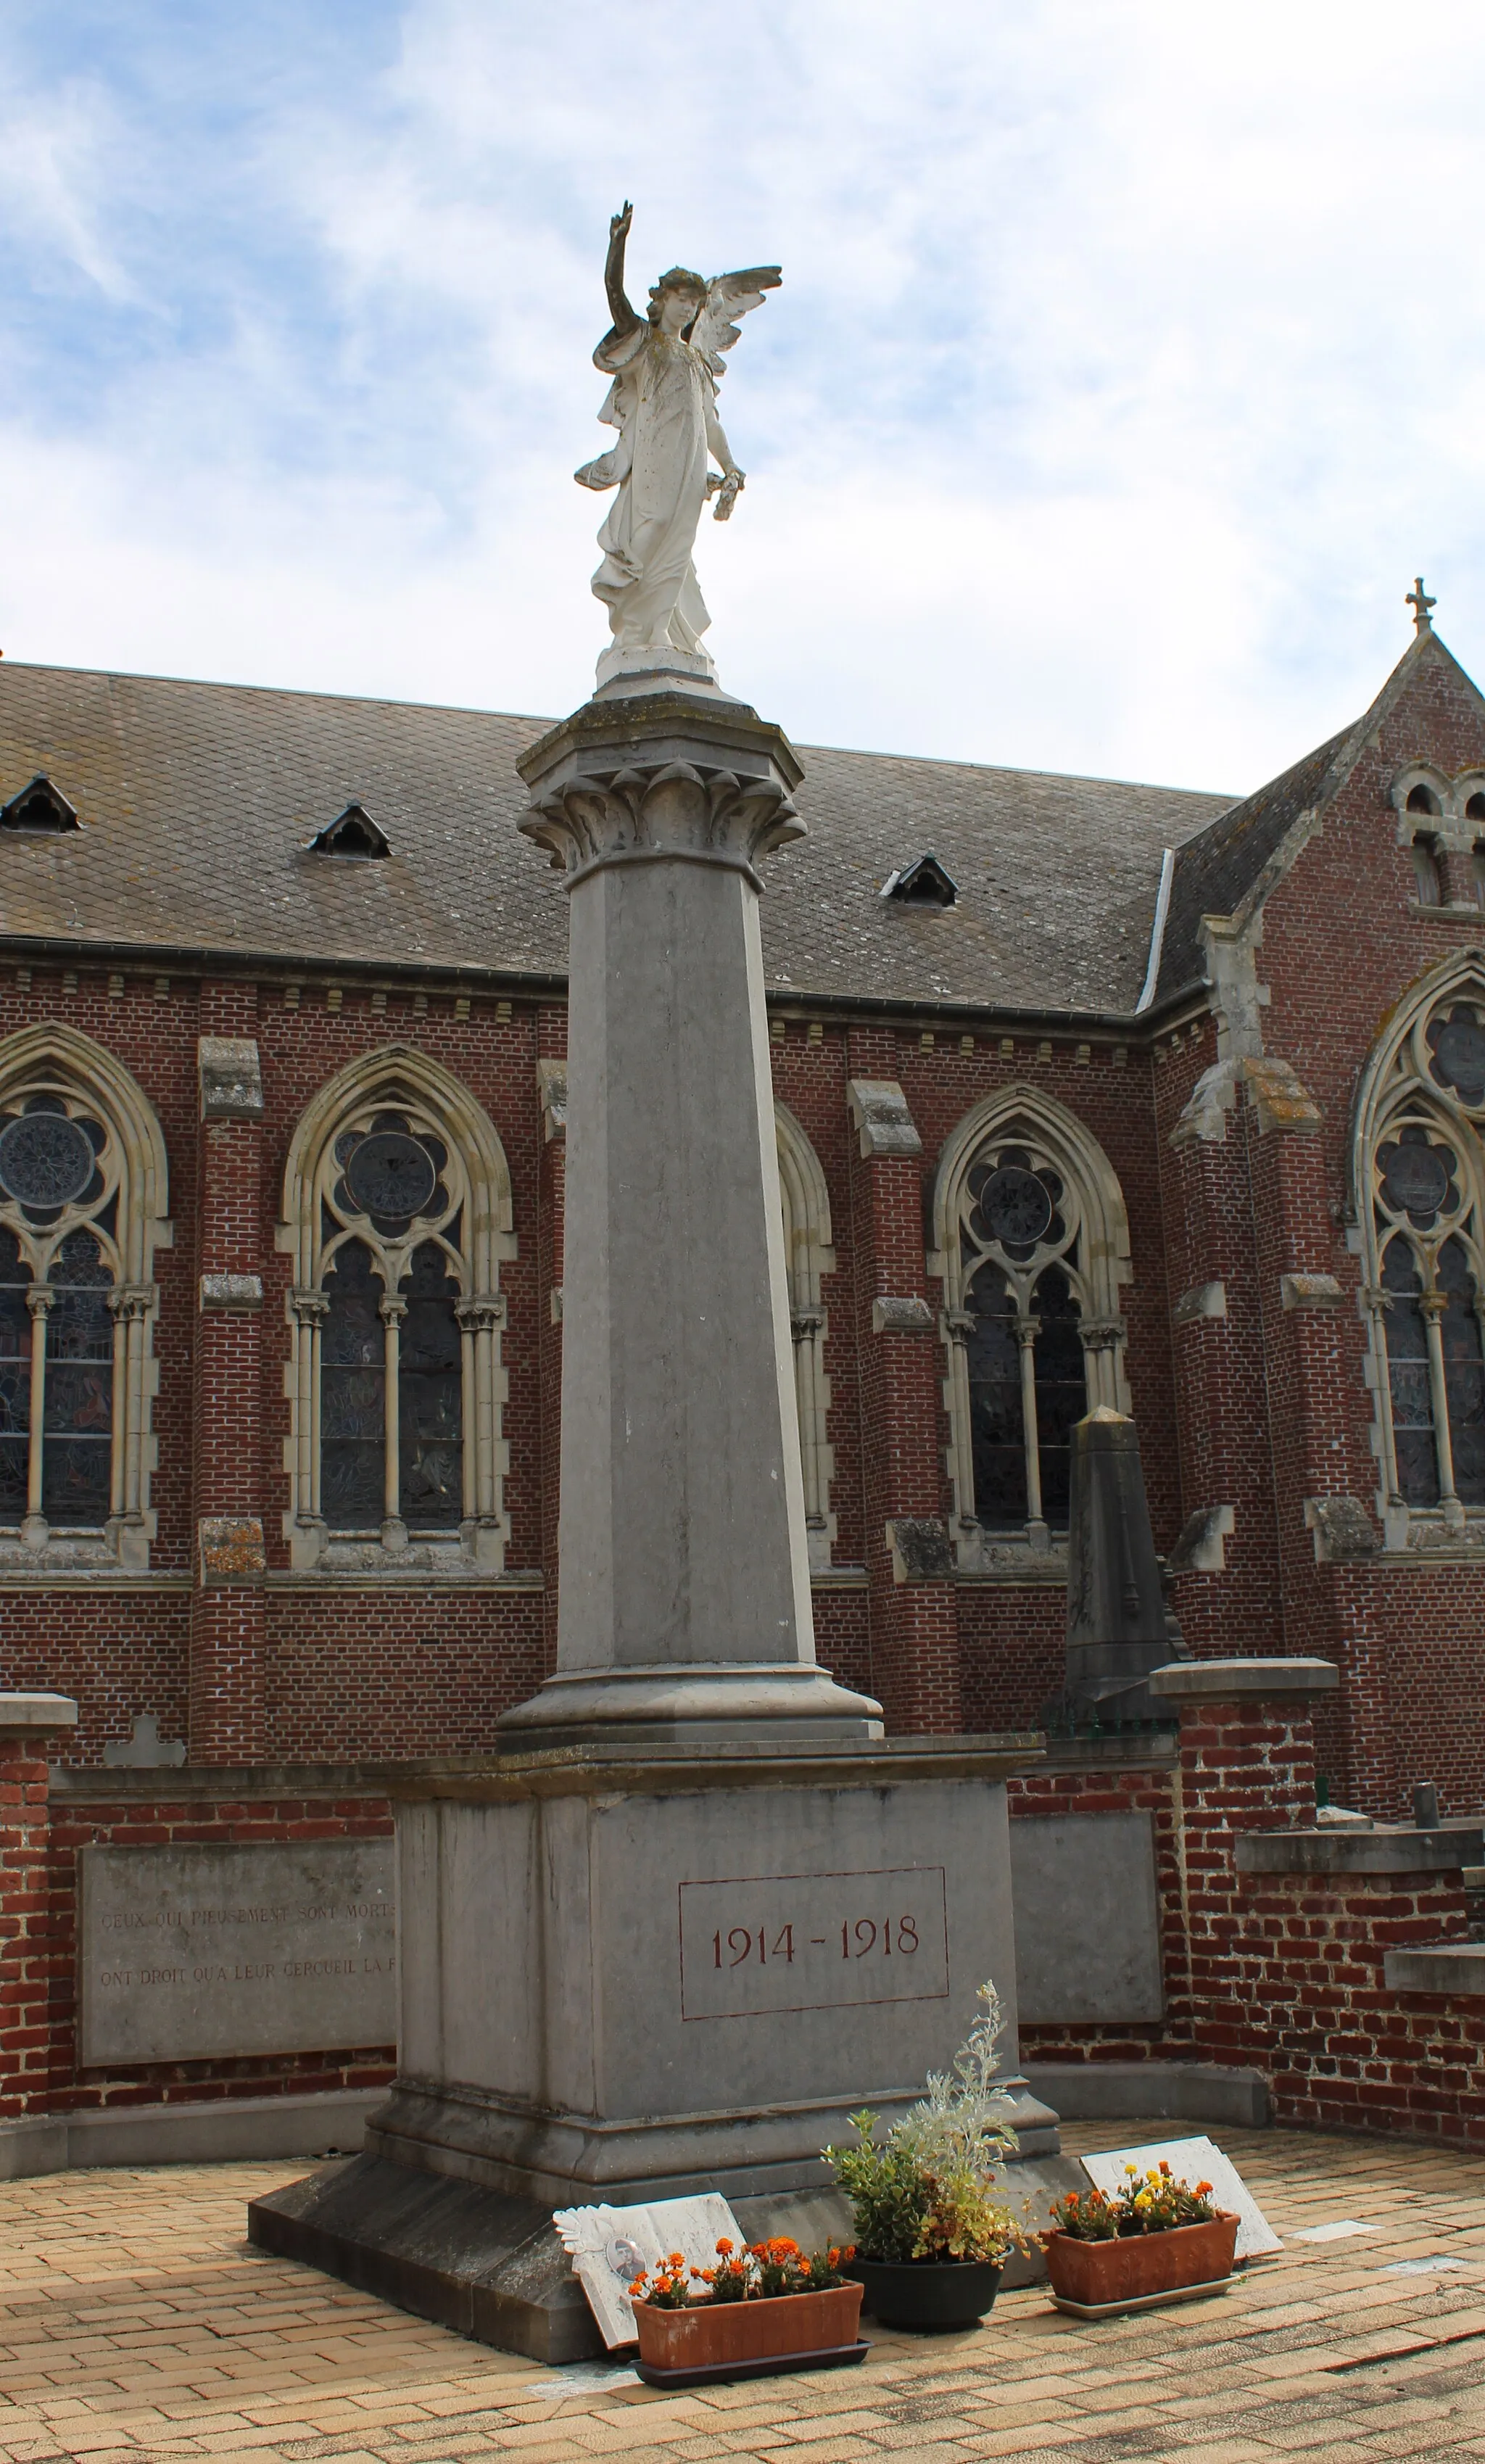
x: 352, y: 833
x: 40, y: 810
x: 923, y: 883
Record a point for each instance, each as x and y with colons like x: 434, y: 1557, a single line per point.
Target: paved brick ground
x: 136, y: 2323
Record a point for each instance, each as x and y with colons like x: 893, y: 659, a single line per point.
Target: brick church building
x: 1086, y: 1093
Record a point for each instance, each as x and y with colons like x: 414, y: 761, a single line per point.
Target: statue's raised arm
x: 626, y: 321
x: 665, y: 367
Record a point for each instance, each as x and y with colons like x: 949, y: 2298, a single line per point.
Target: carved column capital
x: 481, y: 1311
x: 1101, y: 1333
x: 1432, y: 1303
x: 310, y: 1308
x: 392, y: 1307
x: 646, y: 810
x: 131, y: 1302
x: 41, y: 1300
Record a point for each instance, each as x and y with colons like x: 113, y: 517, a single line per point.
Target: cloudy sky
x: 1130, y: 362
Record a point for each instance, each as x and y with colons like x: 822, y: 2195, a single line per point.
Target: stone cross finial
x: 1418, y: 599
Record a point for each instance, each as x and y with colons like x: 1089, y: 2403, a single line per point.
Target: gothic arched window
x: 1032, y: 1242
x: 808, y: 1257
x: 1421, y: 1201
x: 398, y: 1206
x: 82, y: 1197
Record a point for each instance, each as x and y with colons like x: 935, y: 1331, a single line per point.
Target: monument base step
x: 489, y: 2265
x: 486, y: 2264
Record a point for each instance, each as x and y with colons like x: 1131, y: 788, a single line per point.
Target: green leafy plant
x: 925, y: 2191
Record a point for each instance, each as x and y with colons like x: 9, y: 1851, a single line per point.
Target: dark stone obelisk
x: 1120, y: 1626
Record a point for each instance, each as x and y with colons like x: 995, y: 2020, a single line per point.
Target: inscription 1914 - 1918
x: 813, y: 1941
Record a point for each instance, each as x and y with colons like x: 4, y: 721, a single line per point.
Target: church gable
x: 1393, y: 806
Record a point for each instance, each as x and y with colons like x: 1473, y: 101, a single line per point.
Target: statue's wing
x: 730, y: 297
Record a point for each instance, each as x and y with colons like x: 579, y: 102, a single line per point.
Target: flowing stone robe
x: 663, y: 401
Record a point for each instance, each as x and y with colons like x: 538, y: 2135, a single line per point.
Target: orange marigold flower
x: 724, y: 2247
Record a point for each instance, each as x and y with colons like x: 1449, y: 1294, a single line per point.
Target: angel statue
x: 665, y: 367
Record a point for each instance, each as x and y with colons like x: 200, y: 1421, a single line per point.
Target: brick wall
x: 40, y: 1841
x: 1257, y: 1409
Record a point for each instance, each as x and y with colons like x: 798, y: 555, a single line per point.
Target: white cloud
x: 1129, y: 361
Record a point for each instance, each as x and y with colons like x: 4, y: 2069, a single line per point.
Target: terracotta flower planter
x: 715, y: 2335
x: 1137, y: 2264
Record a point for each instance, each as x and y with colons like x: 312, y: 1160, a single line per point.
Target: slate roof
x: 197, y: 801
x: 1214, y: 870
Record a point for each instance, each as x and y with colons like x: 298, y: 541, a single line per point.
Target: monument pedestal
x: 636, y: 1977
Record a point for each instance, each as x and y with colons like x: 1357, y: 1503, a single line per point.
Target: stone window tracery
x: 82, y: 1193
x: 808, y: 1257
x: 1032, y: 1242
x: 1421, y: 1206
x: 397, y: 1208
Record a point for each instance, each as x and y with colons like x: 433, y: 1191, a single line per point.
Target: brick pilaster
x: 1221, y: 1383
x: 914, y: 1622
x: 228, y: 1642
x: 34, y: 1978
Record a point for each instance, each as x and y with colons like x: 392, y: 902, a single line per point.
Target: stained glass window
x: 1458, y: 1047
x: 353, y: 1394
x: 1061, y: 1390
x: 1002, y: 1442
x: 79, y: 1434
x: 15, y: 1379
x: 1464, y: 1373
x: 997, y: 1419
x: 430, y: 1396
x: 1410, y: 1378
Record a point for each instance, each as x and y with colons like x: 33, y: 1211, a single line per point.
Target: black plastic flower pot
x: 929, y: 2296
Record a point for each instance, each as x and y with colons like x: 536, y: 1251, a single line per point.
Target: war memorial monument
x: 698, y: 1909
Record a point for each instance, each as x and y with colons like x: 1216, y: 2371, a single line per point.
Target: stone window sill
x: 394, y: 1574
x: 19, y: 1573
x: 64, y: 1552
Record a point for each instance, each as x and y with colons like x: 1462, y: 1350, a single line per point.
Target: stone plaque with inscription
x: 186, y: 1952
x: 813, y: 1941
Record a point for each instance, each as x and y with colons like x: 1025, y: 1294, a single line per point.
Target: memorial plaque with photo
x: 813, y: 1941
x: 189, y: 1953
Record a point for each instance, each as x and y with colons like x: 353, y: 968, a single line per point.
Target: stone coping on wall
x: 91, y: 1783
x: 1437, y: 1968
x: 1359, y: 1852
x: 1159, y: 1752
x: 1226, y: 1680
x: 588, y: 1769
x: 36, y: 1714
x: 565, y: 1771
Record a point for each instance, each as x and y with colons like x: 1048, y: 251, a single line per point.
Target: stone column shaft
x: 685, y: 1575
